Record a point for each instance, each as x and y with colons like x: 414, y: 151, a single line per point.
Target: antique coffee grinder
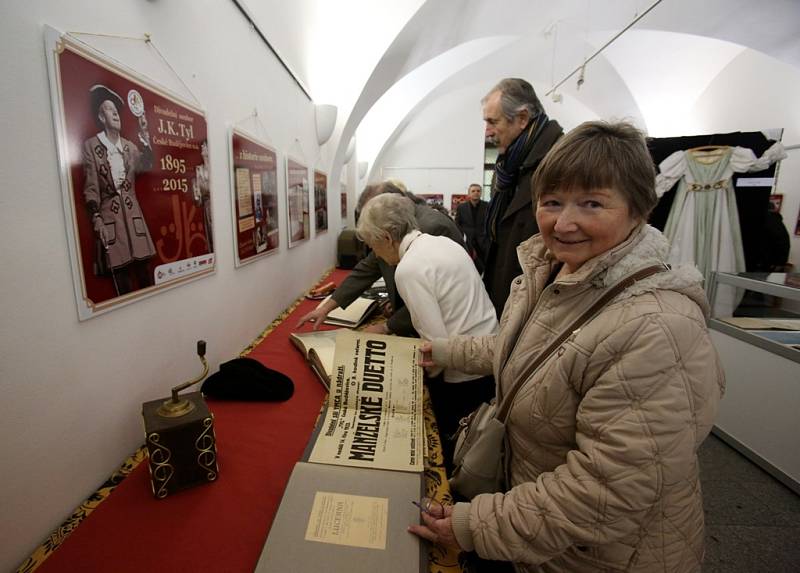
x: 179, y: 435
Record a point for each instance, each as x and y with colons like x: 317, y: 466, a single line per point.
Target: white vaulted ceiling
x: 380, y: 61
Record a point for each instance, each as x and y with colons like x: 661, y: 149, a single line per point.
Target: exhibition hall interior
x: 203, y: 357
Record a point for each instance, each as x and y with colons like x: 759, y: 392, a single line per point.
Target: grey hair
x: 373, y: 190
x: 388, y: 214
x: 516, y: 95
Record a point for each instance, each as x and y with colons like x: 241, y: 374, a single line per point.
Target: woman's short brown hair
x: 601, y: 155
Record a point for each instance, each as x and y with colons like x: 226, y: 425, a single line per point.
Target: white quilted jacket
x: 602, y: 440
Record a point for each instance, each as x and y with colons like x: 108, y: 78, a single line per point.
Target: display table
x: 219, y: 526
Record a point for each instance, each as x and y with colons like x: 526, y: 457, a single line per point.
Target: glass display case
x: 759, y: 348
x: 768, y: 310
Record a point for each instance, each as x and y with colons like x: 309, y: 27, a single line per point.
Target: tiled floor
x: 752, y: 520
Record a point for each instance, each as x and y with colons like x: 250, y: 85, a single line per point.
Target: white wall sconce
x: 326, y: 121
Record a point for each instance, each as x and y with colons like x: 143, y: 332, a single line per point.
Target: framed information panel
x: 254, y: 185
x: 297, y: 201
x: 320, y: 202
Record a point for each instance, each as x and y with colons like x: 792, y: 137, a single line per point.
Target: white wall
x: 72, y: 391
x: 752, y: 92
x: 757, y: 92
x: 441, y: 150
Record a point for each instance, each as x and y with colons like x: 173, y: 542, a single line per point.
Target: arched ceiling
x: 354, y: 53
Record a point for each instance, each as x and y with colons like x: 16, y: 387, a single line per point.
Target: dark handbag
x: 480, y: 441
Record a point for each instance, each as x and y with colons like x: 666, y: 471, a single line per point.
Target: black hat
x: 248, y: 379
x: 100, y: 93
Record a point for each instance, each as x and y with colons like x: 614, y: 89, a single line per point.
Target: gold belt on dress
x: 721, y: 184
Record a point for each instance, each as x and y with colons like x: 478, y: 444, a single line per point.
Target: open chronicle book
x: 373, y: 417
x: 318, y: 348
x: 352, y: 316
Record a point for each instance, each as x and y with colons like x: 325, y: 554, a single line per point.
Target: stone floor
x: 752, y: 520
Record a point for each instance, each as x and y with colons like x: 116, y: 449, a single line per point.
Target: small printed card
x: 354, y: 520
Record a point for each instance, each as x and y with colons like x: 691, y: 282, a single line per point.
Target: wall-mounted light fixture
x: 326, y: 121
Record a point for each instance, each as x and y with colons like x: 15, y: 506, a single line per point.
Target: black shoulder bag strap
x: 504, y: 408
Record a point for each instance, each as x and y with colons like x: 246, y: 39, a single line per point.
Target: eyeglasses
x: 430, y: 506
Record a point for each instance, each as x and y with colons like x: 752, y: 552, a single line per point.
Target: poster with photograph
x: 297, y: 201
x: 435, y: 200
x: 455, y: 201
x: 320, y: 202
x: 344, y: 202
x: 134, y: 176
x: 254, y: 181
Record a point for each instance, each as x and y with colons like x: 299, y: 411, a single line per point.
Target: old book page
x: 318, y: 348
x: 374, y: 411
x: 352, y: 316
x: 354, y: 520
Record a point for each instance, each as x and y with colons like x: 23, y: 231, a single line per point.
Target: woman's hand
x: 426, y: 354
x: 438, y: 530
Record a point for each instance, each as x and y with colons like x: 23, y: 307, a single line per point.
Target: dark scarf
x: 506, y: 171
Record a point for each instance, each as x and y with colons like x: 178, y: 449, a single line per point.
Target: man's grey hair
x: 516, y: 95
x: 386, y: 216
x: 373, y: 190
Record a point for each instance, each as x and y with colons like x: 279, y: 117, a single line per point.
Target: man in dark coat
x: 517, y: 124
x: 471, y: 219
x: 372, y: 268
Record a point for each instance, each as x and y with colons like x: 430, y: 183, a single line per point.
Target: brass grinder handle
x: 176, y: 407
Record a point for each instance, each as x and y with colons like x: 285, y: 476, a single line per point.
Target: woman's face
x: 577, y: 225
x: 387, y: 250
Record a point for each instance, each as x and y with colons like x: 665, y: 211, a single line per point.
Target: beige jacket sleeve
x: 649, y: 396
x: 470, y: 354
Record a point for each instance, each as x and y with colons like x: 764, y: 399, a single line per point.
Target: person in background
x: 518, y: 126
x: 111, y: 164
x: 444, y: 296
x: 371, y: 268
x: 601, y: 458
x: 471, y: 219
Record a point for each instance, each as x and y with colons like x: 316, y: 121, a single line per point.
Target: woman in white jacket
x: 602, y: 471
x: 445, y: 296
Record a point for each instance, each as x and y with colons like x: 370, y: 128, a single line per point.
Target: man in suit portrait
x: 471, y: 219
x: 111, y: 164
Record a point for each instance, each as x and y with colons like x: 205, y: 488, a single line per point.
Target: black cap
x: 249, y: 380
x: 100, y: 93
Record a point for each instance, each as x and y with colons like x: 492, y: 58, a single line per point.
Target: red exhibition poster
x: 135, y: 177
x: 255, y: 191
x: 320, y: 202
x: 297, y: 201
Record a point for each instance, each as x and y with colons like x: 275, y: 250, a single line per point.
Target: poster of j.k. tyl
x: 135, y: 179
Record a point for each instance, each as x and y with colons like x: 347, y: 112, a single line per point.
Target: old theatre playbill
x: 374, y: 413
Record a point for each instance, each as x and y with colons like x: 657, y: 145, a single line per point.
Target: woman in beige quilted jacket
x: 602, y: 470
